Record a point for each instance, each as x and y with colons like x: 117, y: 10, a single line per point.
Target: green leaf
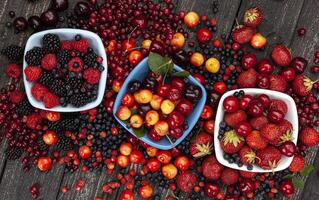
x: 139, y: 132
x: 160, y: 65
x: 182, y: 74
x: 298, y: 183
x: 289, y: 176
x: 307, y: 170
x: 133, y: 111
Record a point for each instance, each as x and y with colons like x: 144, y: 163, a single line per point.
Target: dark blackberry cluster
x: 63, y: 58
x: 34, y: 56
x: 13, y: 153
x: 90, y: 58
x: 64, y: 124
x: 51, y: 43
x: 64, y: 143
x: 24, y: 108
x: 46, y: 78
x: 184, y: 145
x: 13, y: 52
x: 161, y: 181
x: 54, y: 84
x: 79, y: 100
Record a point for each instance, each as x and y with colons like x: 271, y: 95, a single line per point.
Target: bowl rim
x: 98, y: 45
x: 143, y: 138
x: 220, y: 115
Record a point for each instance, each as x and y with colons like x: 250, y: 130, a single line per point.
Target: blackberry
x: 64, y: 124
x: 64, y: 143
x: 46, y: 79
x: 58, y: 87
x: 90, y: 59
x: 13, y: 52
x: 24, y: 108
x: 63, y: 58
x: 13, y: 153
x: 51, y: 42
x: 79, y: 100
x: 42, y: 144
x: 73, y: 83
x: 34, y: 56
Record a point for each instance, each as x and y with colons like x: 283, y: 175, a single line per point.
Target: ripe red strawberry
x: 66, y: 45
x: 242, y: 34
x: 33, y: 120
x: 229, y: 176
x: 271, y: 133
x: 281, y: 55
x: 211, y: 168
x: 247, y: 174
x: 82, y: 45
x: 13, y: 70
x: 75, y: 65
x: 247, y: 79
x: 277, y: 104
x: 50, y: 100
x: 16, y: 96
x: 91, y: 75
x: 231, y: 142
x: 32, y: 73
x: 258, y: 122
x: 269, y: 157
x: 285, y: 126
x: 49, y: 61
x: 253, y: 17
x: 278, y: 83
x: 202, y: 145
x: 302, y: 85
x: 309, y: 136
x: 247, y: 155
x: 256, y: 141
x: 297, y: 164
x: 38, y: 91
x: 186, y: 181
x: 232, y: 119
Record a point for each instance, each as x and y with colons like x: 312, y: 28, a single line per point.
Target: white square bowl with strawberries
x: 291, y: 116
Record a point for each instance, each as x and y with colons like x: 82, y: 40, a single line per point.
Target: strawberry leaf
x: 289, y: 176
x: 307, y: 170
x: 139, y: 132
x: 298, y: 182
x: 182, y: 74
x: 160, y: 65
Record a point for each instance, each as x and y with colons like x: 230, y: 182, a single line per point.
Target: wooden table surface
x: 283, y: 18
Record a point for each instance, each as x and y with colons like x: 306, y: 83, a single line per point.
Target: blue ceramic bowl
x: 139, y: 73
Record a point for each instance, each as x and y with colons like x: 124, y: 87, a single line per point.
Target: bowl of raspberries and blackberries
x: 65, y: 70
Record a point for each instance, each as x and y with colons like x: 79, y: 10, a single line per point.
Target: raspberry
x: 16, y: 96
x: 50, y: 100
x: 38, y: 91
x: 66, y: 45
x: 13, y: 70
x: 91, y: 75
x: 33, y: 120
x: 32, y: 73
x: 75, y: 65
x: 81, y: 45
x: 49, y: 61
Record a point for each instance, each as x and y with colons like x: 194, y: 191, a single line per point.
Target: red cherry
x: 136, y: 156
x: 288, y: 73
x: 203, y: 35
x: 265, y: 67
x: 243, y: 128
x: 231, y: 104
x: 275, y: 116
x: 246, y: 186
x: 174, y: 94
x: 175, y: 119
x: 207, y: 112
x: 244, y: 101
x: 140, y: 21
x: 209, y: 126
x: 287, y: 187
x: 288, y: 148
x: 128, y: 100
x: 185, y: 107
x: 220, y: 87
x: 264, y: 99
x: 211, y: 189
x: 263, y: 81
x: 200, y: 78
x: 152, y: 134
x: 178, y: 83
x: 255, y: 108
x: 299, y: 64
x: 182, y: 163
x: 164, y: 156
x: 44, y: 163
x: 176, y: 132
x: 153, y: 164
x: 163, y: 90
x: 126, y: 195
x: 85, y: 152
x: 248, y: 61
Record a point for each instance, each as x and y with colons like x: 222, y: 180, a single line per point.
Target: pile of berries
x: 63, y: 72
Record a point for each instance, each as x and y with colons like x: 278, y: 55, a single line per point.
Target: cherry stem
x: 236, y: 20
x: 169, y: 139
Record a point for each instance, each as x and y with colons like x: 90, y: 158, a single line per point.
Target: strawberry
x: 202, y: 145
x: 50, y: 100
x: 271, y: 133
x: 91, y: 75
x: 247, y: 79
x: 186, y: 181
x: 281, y: 55
x: 13, y: 70
x: 269, y: 157
x: 229, y: 176
x: 277, y: 83
x: 258, y: 122
x: 255, y: 140
x: 32, y: 73
x: 231, y: 142
x: 75, y: 65
x: 211, y: 168
x: 277, y: 104
x: 33, y: 120
x: 247, y: 155
x: 242, y: 34
x: 81, y: 45
x: 16, y: 96
x: 309, y: 136
x: 49, y: 61
x: 302, y: 85
x: 232, y: 119
x: 66, y: 45
x: 38, y: 91
x: 247, y: 174
x: 297, y: 164
x: 253, y: 17
x: 285, y: 126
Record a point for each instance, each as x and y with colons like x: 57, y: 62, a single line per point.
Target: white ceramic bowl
x: 290, y: 116
x: 68, y: 34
